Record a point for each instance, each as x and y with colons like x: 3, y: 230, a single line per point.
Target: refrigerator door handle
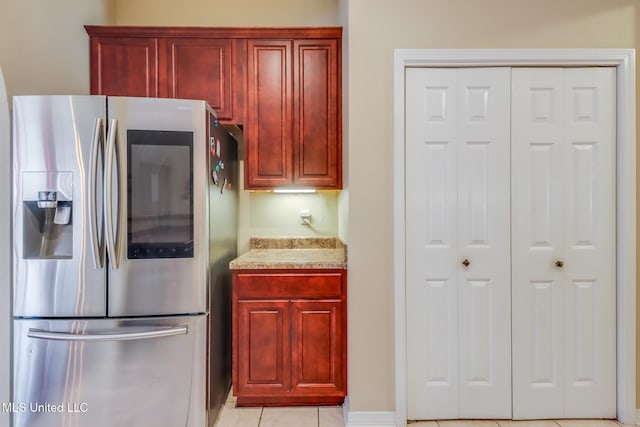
x: 108, y: 195
x: 97, y: 237
x: 108, y: 336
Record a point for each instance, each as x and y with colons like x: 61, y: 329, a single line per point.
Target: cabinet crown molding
x: 214, y: 32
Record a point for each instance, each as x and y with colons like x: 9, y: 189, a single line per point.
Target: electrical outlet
x: 305, y: 216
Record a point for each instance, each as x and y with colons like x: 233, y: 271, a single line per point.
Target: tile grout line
x: 260, y: 417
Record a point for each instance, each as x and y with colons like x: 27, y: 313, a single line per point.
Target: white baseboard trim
x: 371, y: 419
x: 367, y: 419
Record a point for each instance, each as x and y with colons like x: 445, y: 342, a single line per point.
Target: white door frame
x: 624, y: 61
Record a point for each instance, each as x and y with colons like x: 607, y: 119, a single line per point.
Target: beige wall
x: 227, y: 12
x: 375, y: 28
x: 264, y: 214
x: 277, y: 215
x: 43, y: 46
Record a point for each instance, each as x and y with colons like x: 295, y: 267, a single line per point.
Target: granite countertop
x: 292, y: 253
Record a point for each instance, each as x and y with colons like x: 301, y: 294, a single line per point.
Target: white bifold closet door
x: 563, y: 248
x: 458, y: 243
x: 510, y: 243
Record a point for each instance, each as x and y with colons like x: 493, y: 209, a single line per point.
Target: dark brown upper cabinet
x: 294, y: 113
x: 201, y: 68
x: 282, y: 84
x: 124, y: 66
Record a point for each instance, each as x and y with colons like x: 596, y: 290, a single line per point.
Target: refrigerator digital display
x: 160, y: 194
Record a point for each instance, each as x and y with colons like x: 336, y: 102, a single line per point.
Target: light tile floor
x: 304, y: 416
x: 312, y: 416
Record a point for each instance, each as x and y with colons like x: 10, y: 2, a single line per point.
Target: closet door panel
x: 432, y: 243
x: 484, y: 241
x: 538, y: 352
x: 458, y: 316
x: 589, y: 264
x: 564, y: 187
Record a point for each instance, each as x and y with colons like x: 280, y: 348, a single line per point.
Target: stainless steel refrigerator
x: 124, y: 215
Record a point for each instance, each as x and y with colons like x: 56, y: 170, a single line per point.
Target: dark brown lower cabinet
x: 289, y: 336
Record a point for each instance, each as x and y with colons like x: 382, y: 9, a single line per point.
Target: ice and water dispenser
x: 47, y: 222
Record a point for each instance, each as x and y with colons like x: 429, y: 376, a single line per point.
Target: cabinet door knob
x: 466, y: 263
x: 559, y: 263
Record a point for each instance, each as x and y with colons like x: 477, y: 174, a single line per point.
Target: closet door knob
x: 559, y: 263
x: 466, y: 263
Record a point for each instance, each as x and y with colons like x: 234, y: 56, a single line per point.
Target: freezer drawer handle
x: 66, y: 336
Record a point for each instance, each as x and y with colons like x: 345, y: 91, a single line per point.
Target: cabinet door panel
x: 317, y: 347
x: 201, y: 69
x: 263, y: 347
x: 317, y: 148
x: 269, y: 117
x: 124, y: 66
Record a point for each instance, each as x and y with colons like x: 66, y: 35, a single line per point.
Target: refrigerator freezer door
x: 157, y: 207
x: 58, y: 242
x: 110, y: 373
